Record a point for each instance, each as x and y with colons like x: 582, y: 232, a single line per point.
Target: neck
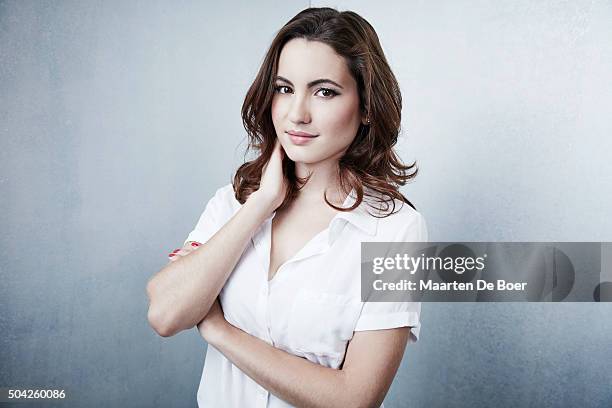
x: 324, y: 179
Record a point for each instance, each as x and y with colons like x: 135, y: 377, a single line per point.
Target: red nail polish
x: 176, y: 250
x: 195, y: 244
x: 171, y: 254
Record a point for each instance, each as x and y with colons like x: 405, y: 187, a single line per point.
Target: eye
x: 327, y: 93
x: 282, y: 89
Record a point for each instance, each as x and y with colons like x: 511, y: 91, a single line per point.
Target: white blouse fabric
x: 312, y: 305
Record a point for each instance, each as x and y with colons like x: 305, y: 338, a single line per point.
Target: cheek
x: 278, y: 112
x: 341, y: 122
x: 278, y: 109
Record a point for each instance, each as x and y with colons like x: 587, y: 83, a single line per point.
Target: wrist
x: 220, y: 335
x: 260, y: 200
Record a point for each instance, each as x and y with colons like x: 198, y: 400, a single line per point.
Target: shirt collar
x: 360, y: 217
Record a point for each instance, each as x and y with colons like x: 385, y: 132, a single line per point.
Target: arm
x: 371, y: 361
x: 182, y: 293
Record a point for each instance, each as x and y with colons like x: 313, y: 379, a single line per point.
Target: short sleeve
x: 389, y: 315
x: 217, y: 212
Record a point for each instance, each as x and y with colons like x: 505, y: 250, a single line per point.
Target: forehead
x: 302, y: 61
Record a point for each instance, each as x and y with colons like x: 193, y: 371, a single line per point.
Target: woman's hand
x: 213, y: 326
x: 185, y: 250
x: 273, y: 185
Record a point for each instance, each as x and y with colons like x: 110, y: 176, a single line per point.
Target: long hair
x: 370, y: 165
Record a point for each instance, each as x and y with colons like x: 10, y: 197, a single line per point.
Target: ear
x: 365, y: 120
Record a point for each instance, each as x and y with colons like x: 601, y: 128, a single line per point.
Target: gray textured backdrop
x: 118, y: 120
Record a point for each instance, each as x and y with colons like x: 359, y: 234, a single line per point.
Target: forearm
x: 291, y: 378
x: 183, y: 291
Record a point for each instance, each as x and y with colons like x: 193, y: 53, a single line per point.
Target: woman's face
x: 316, y: 97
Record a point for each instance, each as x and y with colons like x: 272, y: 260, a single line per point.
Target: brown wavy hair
x: 370, y: 162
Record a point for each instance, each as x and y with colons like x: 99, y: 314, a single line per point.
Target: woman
x: 280, y: 247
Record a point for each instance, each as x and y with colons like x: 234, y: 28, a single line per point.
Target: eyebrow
x: 312, y: 83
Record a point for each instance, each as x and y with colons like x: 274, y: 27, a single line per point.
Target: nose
x: 299, y: 112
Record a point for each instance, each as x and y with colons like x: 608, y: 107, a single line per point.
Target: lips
x: 300, y: 138
x: 301, y: 134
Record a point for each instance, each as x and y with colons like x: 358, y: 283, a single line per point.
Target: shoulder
x: 225, y: 192
x: 404, y: 224
x: 219, y: 208
x: 224, y: 201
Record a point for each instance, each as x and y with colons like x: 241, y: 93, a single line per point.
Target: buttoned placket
x: 263, y: 307
x: 259, y: 243
x: 262, y: 242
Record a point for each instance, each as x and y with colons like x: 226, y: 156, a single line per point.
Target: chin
x: 300, y: 156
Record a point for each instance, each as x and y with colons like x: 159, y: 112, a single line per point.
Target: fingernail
x: 171, y: 254
x: 195, y: 244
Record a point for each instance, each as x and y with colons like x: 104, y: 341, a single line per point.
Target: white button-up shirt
x: 312, y: 305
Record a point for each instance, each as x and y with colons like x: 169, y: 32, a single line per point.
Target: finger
x: 190, y: 246
x: 177, y: 256
x: 178, y: 253
x: 279, y: 150
x: 183, y: 252
x: 282, y: 152
x: 278, y: 147
x: 186, y: 249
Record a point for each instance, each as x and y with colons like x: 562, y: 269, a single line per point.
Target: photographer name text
x: 423, y: 285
